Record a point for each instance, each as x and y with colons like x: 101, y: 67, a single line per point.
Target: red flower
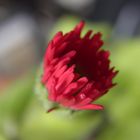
x: 76, y: 70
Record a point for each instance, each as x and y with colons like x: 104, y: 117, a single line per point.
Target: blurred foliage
x: 22, y: 116
x: 15, y: 100
x: 123, y: 101
x: 13, y: 104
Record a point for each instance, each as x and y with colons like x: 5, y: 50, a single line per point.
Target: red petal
x: 66, y: 101
x: 57, y: 37
x: 76, y: 86
x: 65, y: 79
x: 90, y: 107
x: 79, y: 27
x: 88, y: 34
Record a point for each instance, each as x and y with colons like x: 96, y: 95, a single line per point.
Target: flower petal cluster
x: 76, y: 70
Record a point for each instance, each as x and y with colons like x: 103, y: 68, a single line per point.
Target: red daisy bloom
x: 76, y: 70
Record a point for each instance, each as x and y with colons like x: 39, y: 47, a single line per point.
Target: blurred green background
x: 23, y: 117
x: 23, y: 105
